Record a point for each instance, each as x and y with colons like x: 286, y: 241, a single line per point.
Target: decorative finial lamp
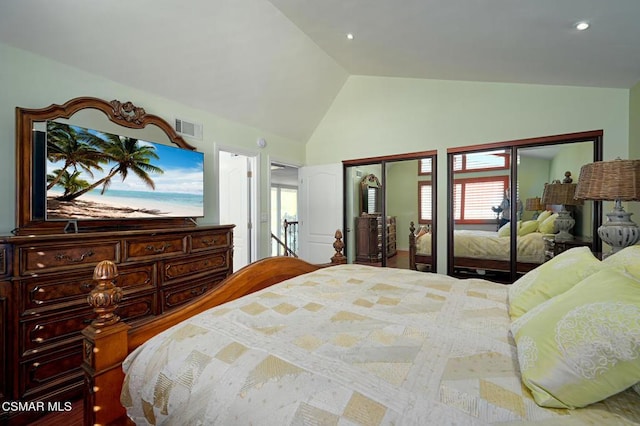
x: 617, y: 180
x: 557, y: 193
x: 534, y: 205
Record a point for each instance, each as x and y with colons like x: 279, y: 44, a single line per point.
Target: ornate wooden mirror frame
x: 123, y: 114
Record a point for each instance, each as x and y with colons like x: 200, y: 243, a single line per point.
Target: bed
x: 343, y: 345
x: 483, y: 250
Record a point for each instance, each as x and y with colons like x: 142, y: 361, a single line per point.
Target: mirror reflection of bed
x: 478, y: 246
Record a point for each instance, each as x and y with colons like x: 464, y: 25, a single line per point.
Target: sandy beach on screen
x: 90, y: 206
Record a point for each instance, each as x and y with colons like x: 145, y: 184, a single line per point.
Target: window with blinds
x: 474, y: 197
x: 425, y: 202
x: 481, y: 161
x: 425, y: 166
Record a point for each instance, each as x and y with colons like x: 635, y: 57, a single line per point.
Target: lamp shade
x: 560, y: 193
x: 533, y: 204
x: 610, y: 180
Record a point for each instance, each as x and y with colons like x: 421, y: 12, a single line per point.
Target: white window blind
x: 426, y: 166
x: 473, y: 198
x: 426, y: 209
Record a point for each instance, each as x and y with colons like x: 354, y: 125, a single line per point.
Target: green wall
x: 371, y: 116
x: 375, y: 116
x: 31, y: 81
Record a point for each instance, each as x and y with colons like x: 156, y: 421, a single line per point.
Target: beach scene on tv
x: 97, y: 175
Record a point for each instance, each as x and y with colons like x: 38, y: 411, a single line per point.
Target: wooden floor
x: 400, y: 261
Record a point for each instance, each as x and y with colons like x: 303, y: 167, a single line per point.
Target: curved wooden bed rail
x: 107, y: 341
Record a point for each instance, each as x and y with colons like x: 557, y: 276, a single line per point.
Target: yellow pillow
x: 505, y: 230
x: 584, y: 345
x: 528, y: 227
x: 548, y: 225
x: 629, y: 257
x: 544, y: 215
x: 551, y: 279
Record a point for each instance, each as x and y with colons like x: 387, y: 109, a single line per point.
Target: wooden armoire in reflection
x: 369, y: 237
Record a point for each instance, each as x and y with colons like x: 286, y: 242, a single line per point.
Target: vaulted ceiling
x: 277, y: 65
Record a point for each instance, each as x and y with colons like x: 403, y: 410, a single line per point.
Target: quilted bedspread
x: 348, y: 345
x: 488, y: 245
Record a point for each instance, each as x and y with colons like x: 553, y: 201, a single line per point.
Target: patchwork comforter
x: 348, y: 345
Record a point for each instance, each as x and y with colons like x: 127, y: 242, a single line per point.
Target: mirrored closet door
x: 503, y: 208
x: 387, y: 199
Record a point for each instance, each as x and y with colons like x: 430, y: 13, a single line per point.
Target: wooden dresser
x: 45, y: 279
x: 369, y: 238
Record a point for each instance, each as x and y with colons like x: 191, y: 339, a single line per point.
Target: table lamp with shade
x: 534, y: 205
x: 562, y: 194
x: 616, y: 180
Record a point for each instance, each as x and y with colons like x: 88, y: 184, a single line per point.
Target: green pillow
x: 628, y: 257
x: 584, y: 345
x: 548, y: 225
x: 551, y: 279
x: 544, y: 215
x: 528, y: 227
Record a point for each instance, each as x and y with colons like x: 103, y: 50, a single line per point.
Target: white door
x: 320, y: 211
x: 236, y: 201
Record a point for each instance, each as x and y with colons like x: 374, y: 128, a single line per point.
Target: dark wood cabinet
x: 45, y: 280
x: 553, y: 248
x: 369, y: 237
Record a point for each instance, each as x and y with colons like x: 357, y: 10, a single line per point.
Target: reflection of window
x: 479, y: 161
x: 372, y: 200
x: 425, y: 166
x: 424, y: 202
x: 474, y: 197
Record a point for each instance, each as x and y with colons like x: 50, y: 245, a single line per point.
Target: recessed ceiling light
x: 582, y: 25
x: 349, y: 36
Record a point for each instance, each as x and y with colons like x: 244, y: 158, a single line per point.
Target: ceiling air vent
x: 189, y: 129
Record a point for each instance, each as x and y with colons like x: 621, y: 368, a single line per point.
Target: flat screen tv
x: 94, y: 175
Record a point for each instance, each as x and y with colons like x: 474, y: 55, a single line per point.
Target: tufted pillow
x: 584, y: 345
x: 548, y: 225
x: 551, y: 279
x: 528, y: 227
x: 544, y: 215
x: 628, y: 257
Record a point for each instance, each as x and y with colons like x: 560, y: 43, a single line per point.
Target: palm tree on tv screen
x: 128, y: 156
x: 71, y: 182
x: 76, y: 147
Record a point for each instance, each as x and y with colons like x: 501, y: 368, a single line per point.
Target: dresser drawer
x: 43, y: 330
x: 135, y: 308
x: 150, y: 248
x: 210, y: 241
x: 178, y: 295
x: 53, y: 371
x: 5, y: 270
x: 41, y: 259
x: 62, y: 291
x: 186, y: 267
